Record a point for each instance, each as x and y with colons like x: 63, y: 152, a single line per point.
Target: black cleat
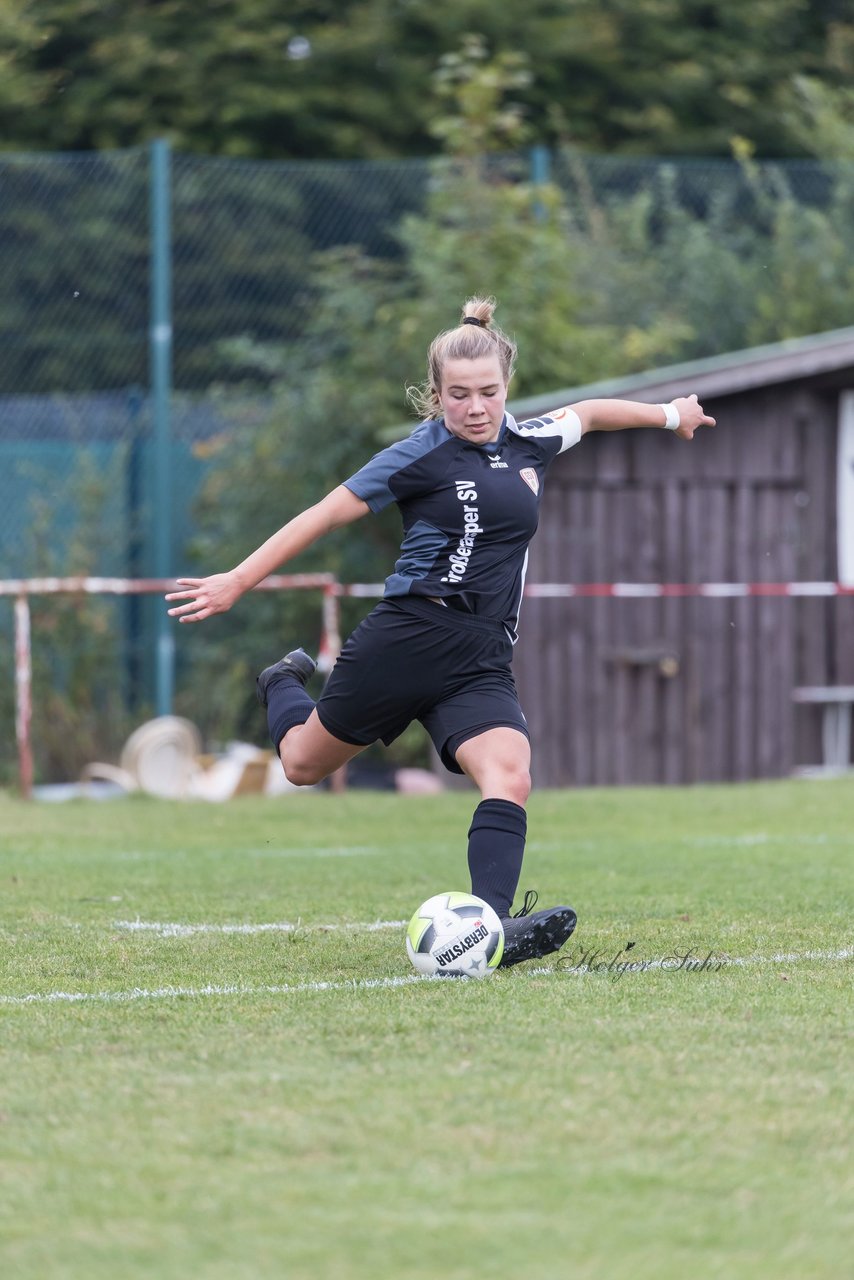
x: 530, y: 936
x: 297, y: 664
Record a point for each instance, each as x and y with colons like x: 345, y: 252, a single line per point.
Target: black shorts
x: 412, y: 659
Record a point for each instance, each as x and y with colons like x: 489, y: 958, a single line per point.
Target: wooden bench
x: 836, y: 702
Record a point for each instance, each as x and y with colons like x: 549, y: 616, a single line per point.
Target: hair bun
x: 479, y: 311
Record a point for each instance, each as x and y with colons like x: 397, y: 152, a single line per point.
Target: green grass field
x: 295, y: 1103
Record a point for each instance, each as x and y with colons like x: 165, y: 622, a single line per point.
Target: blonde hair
x: 468, y: 341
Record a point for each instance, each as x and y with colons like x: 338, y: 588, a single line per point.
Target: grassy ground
x: 304, y: 1109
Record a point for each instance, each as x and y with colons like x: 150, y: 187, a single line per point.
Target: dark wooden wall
x: 694, y: 689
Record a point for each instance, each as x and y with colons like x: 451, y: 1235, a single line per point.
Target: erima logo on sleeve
x: 459, y: 558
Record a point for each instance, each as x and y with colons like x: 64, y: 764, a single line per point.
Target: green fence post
x: 160, y: 363
x: 540, y: 161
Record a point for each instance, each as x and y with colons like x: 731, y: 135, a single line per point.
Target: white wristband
x: 671, y: 416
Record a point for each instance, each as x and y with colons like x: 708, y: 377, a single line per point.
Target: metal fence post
x: 160, y: 358
x: 23, y: 694
x: 540, y: 160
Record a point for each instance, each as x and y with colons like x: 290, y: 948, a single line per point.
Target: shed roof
x: 722, y: 375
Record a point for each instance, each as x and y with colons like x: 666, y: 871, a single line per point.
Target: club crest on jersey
x: 532, y: 480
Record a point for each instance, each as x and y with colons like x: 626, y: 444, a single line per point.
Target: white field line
x: 763, y: 837
x: 794, y: 957
x: 746, y: 838
x: 313, y: 851
x: 178, y: 930
x: 212, y: 989
x: 366, y: 984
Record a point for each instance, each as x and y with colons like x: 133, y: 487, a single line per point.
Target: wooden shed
x: 696, y: 688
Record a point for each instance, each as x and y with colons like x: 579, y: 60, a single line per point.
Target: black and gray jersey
x: 469, y: 510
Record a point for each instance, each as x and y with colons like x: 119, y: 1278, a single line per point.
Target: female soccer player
x: 468, y: 483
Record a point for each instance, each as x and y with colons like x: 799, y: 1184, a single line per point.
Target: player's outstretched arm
x: 217, y: 593
x: 683, y: 415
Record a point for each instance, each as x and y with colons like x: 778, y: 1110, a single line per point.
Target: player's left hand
x: 691, y: 416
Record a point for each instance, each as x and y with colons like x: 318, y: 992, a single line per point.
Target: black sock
x: 288, y: 704
x: 496, y: 847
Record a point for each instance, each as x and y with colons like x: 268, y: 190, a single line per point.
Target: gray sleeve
x: 373, y: 482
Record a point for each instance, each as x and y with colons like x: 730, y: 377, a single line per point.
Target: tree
x: 352, y: 78
x: 822, y: 117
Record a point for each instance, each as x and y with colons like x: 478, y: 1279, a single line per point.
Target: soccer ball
x: 455, y: 935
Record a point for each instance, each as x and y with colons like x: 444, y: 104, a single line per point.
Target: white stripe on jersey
x: 514, y: 634
x: 564, y: 423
